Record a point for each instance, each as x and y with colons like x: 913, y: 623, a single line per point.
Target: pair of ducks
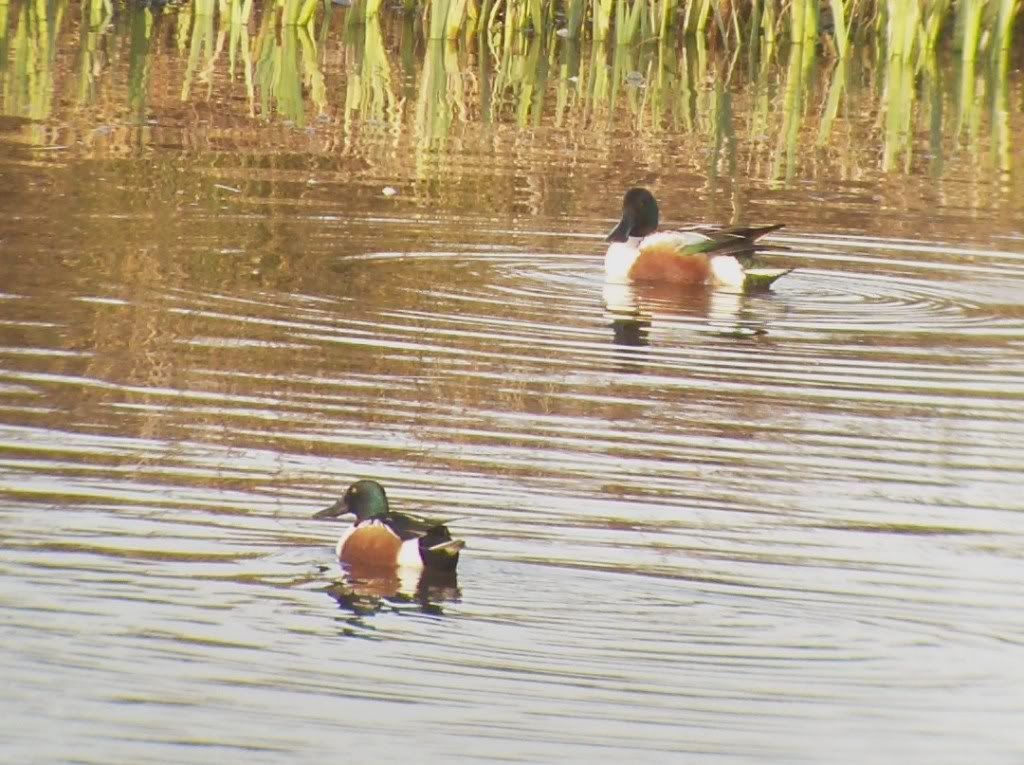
x: 638, y: 252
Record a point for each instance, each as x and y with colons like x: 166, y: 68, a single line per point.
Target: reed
x: 286, y: 67
x: 906, y: 26
x: 522, y: 62
x: 139, y: 63
x: 370, y: 93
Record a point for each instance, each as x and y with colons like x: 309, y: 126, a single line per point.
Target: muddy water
x: 783, y: 527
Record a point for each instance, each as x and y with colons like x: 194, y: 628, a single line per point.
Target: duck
x: 701, y: 255
x: 382, y: 538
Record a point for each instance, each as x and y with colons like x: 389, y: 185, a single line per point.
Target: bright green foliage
x: 906, y: 27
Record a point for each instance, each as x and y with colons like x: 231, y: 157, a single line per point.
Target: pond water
x: 705, y: 526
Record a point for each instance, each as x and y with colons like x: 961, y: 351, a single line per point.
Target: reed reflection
x: 770, y: 119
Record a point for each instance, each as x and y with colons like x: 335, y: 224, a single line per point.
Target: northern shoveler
x: 698, y: 255
x: 381, y: 538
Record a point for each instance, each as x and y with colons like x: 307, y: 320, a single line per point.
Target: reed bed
x: 904, y: 27
x: 798, y: 68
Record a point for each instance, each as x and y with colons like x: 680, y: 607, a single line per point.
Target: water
x: 700, y: 526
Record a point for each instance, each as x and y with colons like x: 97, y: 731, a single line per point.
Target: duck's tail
x: 451, y: 547
x: 753, y: 233
x: 439, y: 550
x: 742, y: 242
x: 757, y: 279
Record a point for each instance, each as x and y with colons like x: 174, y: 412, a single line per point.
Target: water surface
x: 780, y: 527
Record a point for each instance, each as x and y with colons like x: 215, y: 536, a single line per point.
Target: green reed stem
x: 902, y: 17
x: 841, y: 31
x: 574, y: 18
x: 832, y: 102
x: 934, y: 21
x: 1006, y: 16
x: 1000, y: 71
x: 628, y: 20
x: 602, y: 18
x: 969, y: 22
x: 696, y: 19
x: 666, y: 16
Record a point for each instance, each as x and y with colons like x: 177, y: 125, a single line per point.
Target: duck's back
x: 688, y: 256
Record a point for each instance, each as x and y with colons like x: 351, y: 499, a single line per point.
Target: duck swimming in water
x: 712, y: 255
x: 381, y: 538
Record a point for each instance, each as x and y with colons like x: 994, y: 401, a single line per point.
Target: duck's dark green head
x: 364, y: 499
x: 639, y: 216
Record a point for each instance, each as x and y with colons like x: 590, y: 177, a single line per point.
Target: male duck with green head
x: 381, y: 538
x: 700, y: 255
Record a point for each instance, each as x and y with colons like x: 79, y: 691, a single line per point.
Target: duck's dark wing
x: 732, y: 240
x: 413, y: 526
x: 438, y: 549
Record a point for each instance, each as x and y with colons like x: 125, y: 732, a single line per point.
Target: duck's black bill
x: 621, y: 232
x: 338, y: 508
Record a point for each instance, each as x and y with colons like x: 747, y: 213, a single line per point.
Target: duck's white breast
x: 409, y: 554
x: 620, y: 258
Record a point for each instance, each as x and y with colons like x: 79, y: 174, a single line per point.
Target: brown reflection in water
x: 205, y: 266
x: 636, y: 311
x: 370, y: 591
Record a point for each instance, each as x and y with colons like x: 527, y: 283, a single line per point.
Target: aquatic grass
x: 567, y: 89
x: 836, y: 89
x: 286, y: 66
x: 30, y: 77
x: 1000, y: 77
x: 371, y: 8
x: 521, y: 80
x: 95, y: 15
x: 840, y: 33
x: 201, y: 48
x: 795, y: 91
x: 574, y: 15
x: 238, y: 14
x: 498, y: 67
x: 601, y: 14
x: 629, y: 18
x: 905, y: 26
x: 903, y: 23
x: 5, y: 9
x: 935, y: 17
x: 183, y: 26
x: 898, y: 103
x: 599, y: 84
x: 447, y: 18
x: 300, y: 12
x: 440, y: 98
x: 370, y: 93
x: 695, y: 20
x: 934, y: 88
x: 805, y: 22
x: 139, y: 61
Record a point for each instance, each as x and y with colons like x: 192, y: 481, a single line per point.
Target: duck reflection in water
x: 365, y: 591
x: 634, y: 309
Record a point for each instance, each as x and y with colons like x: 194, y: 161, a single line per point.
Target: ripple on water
x: 696, y: 521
